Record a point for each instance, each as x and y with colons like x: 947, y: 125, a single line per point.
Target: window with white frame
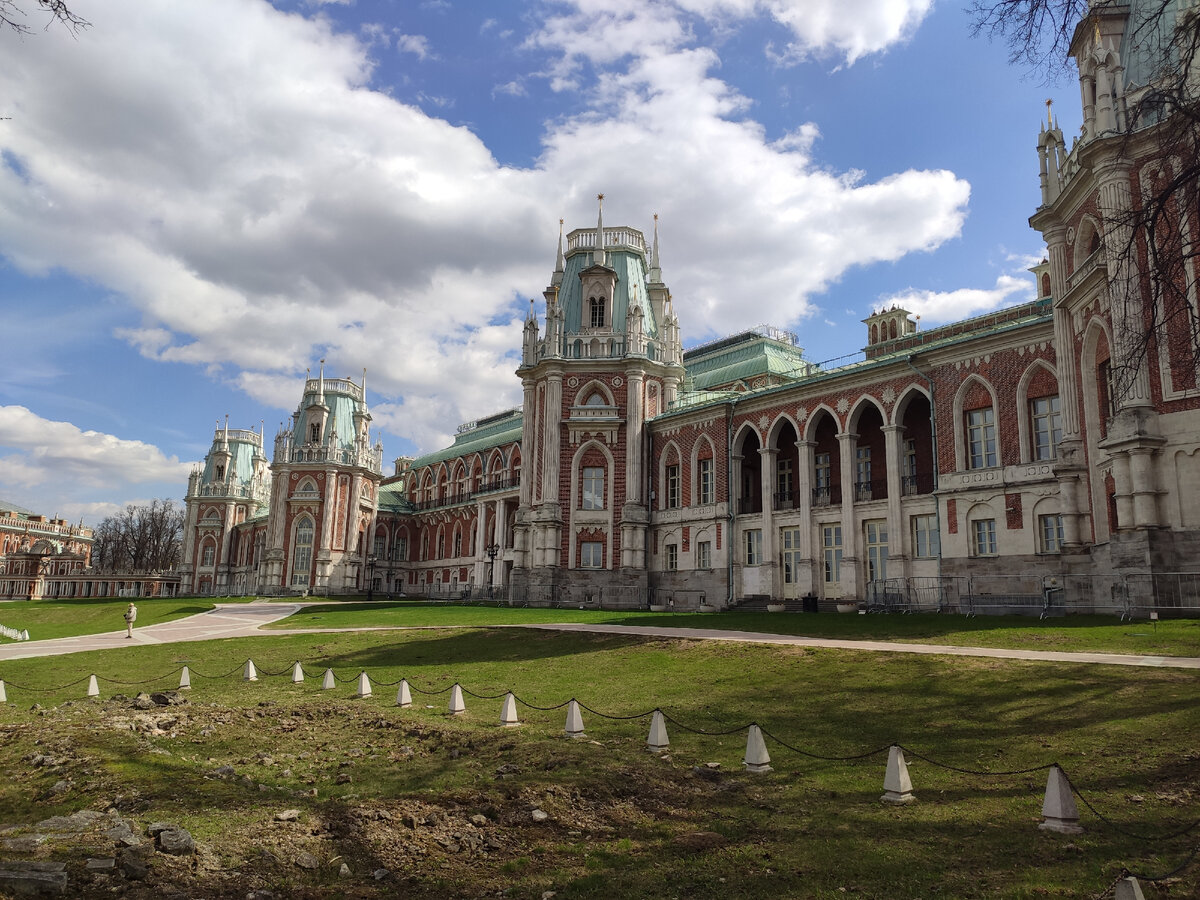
x: 207, y: 555
x: 591, y: 555
x: 703, y: 554
x: 831, y: 550
x: 981, y: 438
x: 596, y: 308
x: 672, y: 486
x: 753, y: 546
x: 1046, y: 420
x: 302, y: 548
x: 926, y: 539
x: 593, y: 487
x: 783, y: 478
x: 380, y: 546
x: 400, y: 549
x: 672, y: 557
x: 1050, y: 534
x: 705, y: 477
x: 822, y: 472
x: 983, y: 537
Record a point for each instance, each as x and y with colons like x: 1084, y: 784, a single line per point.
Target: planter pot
x: 776, y: 607
x: 656, y: 607
x: 706, y: 609
x: 847, y: 607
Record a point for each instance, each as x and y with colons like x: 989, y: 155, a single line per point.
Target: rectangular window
x: 862, y: 465
x: 1047, y: 427
x: 823, y: 472
x: 910, y: 458
x: 1050, y: 532
x: 984, y: 533
x: 831, y: 548
x: 206, y: 558
x: 400, y: 549
x: 703, y: 555
x: 783, y: 479
x: 591, y: 555
x: 596, y: 307
x: 672, y: 557
x: 593, y: 487
x: 981, y: 438
x: 926, y: 540
x: 877, y: 549
x: 672, y: 487
x: 706, y: 481
x: 380, y: 546
x: 457, y: 544
x: 753, y: 546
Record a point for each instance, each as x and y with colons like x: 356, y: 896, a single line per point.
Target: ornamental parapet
x: 371, y: 459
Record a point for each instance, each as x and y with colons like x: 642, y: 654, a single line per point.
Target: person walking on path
x: 130, y: 618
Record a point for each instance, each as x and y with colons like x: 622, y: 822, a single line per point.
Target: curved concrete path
x: 226, y: 621
x: 246, y: 619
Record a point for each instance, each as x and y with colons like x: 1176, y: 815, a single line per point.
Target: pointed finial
x: 655, y: 268
x: 1049, y: 112
x: 558, y: 265
x: 364, y: 384
x: 599, y: 257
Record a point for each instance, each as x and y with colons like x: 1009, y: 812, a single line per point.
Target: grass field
x: 47, y: 619
x: 1176, y: 637
x: 397, y: 789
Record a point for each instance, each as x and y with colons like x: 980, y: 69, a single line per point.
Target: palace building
x: 1039, y: 457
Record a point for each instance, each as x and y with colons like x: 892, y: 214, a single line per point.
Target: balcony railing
x: 829, y: 495
x: 785, y: 499
x: 748, y: 505
x: 917, y: 483
x: 460, y: 497
x: 875, y: 489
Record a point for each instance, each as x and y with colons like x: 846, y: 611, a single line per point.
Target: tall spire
x: 558, y: 265
x: 321, y: 384
x: 598, y: 258
x: 364, y: 385
x: 655, y: 268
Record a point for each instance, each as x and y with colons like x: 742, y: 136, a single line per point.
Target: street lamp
x: 491, y: 550
x: 371, y: 578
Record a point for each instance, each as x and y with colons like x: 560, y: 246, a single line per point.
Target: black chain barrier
x: 810, y: 755
x: 1125, y: 831
x: 232, y: 671
x: 49, y: 690
x: 979, y: 772
x: 484, y: 696
x: 136, y: 683
x: 595, y: 712
x: 543, y: 708
x: 679, y: 724
x: 1169, y: 875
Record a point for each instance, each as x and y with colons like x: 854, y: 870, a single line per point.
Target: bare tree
x: 14, y: 16
x: 1158, y: 119
x: 140, y: 539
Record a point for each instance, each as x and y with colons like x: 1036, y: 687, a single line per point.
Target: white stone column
x: 804, y: 491
x: 550, y: 438
x: 1064, y: 335
x: 634, y: 433
x: 847, y: 443
x: 1123, y: 484
x: 501, y: 540
x: 768, y: 457
x: 529, y: 443
x: 1145, y: 495
x: 893, y: 444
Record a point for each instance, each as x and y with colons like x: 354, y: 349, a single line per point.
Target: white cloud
x: 416, y: 44
x: 937, y: 307
x: 258, y: 205
x: 47, y: 452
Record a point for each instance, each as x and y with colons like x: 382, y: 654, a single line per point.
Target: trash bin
x: 809, y: 603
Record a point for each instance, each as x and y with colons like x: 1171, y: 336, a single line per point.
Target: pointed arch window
x: 596, y: 309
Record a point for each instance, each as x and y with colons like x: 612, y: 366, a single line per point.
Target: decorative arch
x: 306, y: 487
x: 861, y: 405
x: 975, y: 393
x: 813, y: 422
x: 303, y: 545
x: 907, y: 396
x: 703, y: 450
x: 592, y: 389
x: 1088, y: 239
x: 1033, y: 385
x: 671, y: 455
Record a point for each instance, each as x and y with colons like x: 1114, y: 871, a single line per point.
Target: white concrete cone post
x: 1059, y: 809
x: 3, y: 695
x: 93, y: 688
x: 328, y: 682
x: 185, y: 679
x: 249, y: 673
x: 24, y: 635
x: 1128, y: 889
x: 403, y: 694
x: 757, y: 759
x: 297, y: 674
x: 897, y: 786
x: 508, y: 712
x: 658, y: 740
x: 574, y: 727
x: 364, y: 686
x: 457, y: 707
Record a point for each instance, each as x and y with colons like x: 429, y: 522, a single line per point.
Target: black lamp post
x: 491, y: 550
x: 371, y: 578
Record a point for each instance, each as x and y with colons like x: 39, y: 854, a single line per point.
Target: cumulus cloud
x: 227, y: 170
x: 44, y: 452
x: 938, y: 307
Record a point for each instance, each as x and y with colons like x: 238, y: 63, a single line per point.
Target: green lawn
x: 1175, y: 637
x: 622, y: 822
x: 47, y: 619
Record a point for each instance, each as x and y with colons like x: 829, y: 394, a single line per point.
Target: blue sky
x: 199, y: 200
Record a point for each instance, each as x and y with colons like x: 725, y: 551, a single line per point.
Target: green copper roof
x: 241, y: 463
x: 630, y: 266
x: 19, y: 511
x: 341, y: 405
x: 392, y: 496
x: 493, y: 431
x: 741, y: 357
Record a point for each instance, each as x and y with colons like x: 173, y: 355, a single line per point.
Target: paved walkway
x: 246, y: 619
